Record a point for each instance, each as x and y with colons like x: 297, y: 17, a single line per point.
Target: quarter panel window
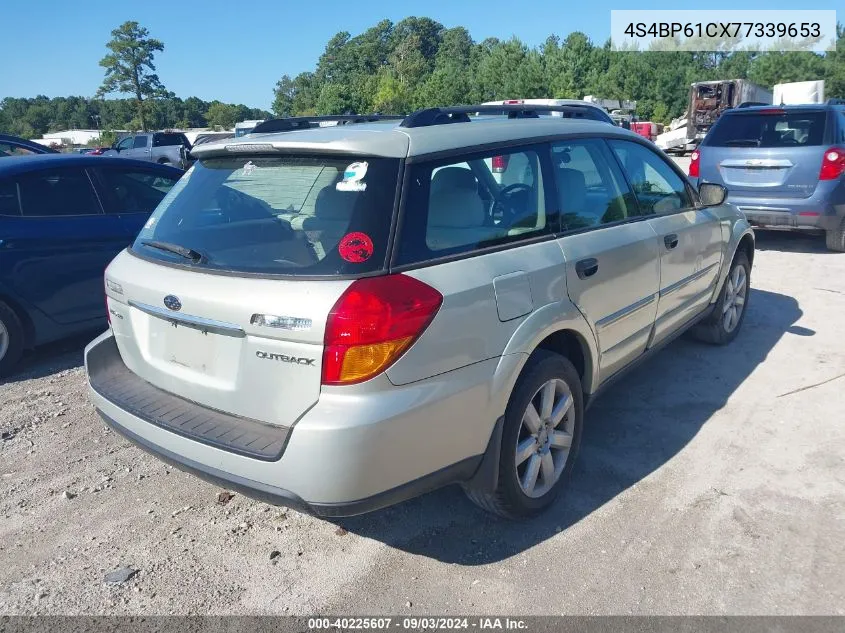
x: 461, y: 205
x: 657, y: 187
x: 590, y: 187
x: 57, y: 192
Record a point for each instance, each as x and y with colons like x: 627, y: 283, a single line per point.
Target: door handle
x: 671, y: 241
x: 587, y: 267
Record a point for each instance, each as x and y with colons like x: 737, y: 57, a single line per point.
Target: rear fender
x: 540, y: 324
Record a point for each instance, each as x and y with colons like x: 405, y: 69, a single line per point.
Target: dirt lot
x: 711, y: 482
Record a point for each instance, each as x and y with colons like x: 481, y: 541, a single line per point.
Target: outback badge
x: 283, y: 358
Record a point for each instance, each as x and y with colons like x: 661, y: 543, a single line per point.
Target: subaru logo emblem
x: 172, y: 303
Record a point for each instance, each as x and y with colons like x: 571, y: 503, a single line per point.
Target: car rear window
x: 164, y: 139
x: 285, y: 215
x: 775, y: 128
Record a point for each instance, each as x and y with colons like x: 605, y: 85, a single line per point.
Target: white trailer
x: 799, y: 92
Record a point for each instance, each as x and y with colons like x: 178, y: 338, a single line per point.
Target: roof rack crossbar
x: 287, y: 124
x: 460, y: 114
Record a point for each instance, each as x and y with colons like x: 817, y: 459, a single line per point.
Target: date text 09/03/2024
x: 418, y: 623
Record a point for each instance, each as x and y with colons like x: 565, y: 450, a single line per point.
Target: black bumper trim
x: 112, y: 379
x: 456, y: 473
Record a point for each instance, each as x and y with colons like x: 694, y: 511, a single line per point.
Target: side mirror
x: 711, y: 194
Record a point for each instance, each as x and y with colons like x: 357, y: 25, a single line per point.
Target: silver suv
x: 337, y: 319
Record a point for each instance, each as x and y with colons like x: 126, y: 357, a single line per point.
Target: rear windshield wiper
x: 187, y: 253
x: 744, y: 142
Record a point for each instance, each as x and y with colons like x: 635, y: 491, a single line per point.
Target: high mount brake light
x: 695, y: 164
x: 500, y: 164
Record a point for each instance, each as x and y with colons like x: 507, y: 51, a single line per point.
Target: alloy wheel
x: 735, y: 295
x: 545, y: 438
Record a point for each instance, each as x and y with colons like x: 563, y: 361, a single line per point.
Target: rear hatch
x: 768, y: 153
x: 223, y: 297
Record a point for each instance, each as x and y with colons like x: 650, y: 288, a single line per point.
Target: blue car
x: 784, y: 166
x: 63, y: 218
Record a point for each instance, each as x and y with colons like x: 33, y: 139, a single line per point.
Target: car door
x: 612, y: 259
x: 132, y: 194
x: 689, y: 237
x: 140, y: 148
x: 124, y: 147
x: 55, y: 250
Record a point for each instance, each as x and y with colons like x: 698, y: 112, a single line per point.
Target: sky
x: 234, y: 52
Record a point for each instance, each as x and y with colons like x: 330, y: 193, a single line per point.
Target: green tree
x: 285, y: 92
x: 222, y: 115
x: 834, y: 72
x: 130, y: 67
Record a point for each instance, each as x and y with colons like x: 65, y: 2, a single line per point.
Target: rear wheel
x: 540, y: 438
x: 11, y: 339
x: 835, y: 238
x: 721, y: 327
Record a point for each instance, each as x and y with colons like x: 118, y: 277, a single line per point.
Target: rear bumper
x: 791, y: 213
x: 349, y: 454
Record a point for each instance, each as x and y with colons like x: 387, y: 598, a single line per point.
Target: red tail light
x: 695, y: 164
x: 833, y: 164
x: 372, y: 324
x: 500, y: 164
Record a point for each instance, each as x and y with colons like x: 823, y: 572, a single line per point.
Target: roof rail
x: 288, y: 124
x: 460, y: 114
x: 751, y: 104
x: 836, y: 102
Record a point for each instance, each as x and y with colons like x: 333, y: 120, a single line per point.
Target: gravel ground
x: 710, y: 482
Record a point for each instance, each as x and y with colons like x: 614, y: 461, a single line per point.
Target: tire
x: 718, y: 329
x: 835, y: 238
x: 510, y: 499
x: 11, y: 339
x: 163, y: 161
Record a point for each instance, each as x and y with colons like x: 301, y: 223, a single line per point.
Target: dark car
x: 784, y: 166
x: 63, y: 217
x: 16, y: 146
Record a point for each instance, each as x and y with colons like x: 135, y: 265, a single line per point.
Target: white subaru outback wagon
x: 340, y: 318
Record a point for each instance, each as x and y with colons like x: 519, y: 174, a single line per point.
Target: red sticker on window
x: 355, y: 247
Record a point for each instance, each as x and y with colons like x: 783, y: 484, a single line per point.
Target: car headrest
x: 455, y: 208
x: 332, y: 204
x: 572, y: 188
x: 453, y: 178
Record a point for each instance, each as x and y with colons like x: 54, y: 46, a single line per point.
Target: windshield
x: 291, y: 215
x: 775, y: 128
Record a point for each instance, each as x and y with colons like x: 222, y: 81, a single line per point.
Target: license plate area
x: 183, y: 345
